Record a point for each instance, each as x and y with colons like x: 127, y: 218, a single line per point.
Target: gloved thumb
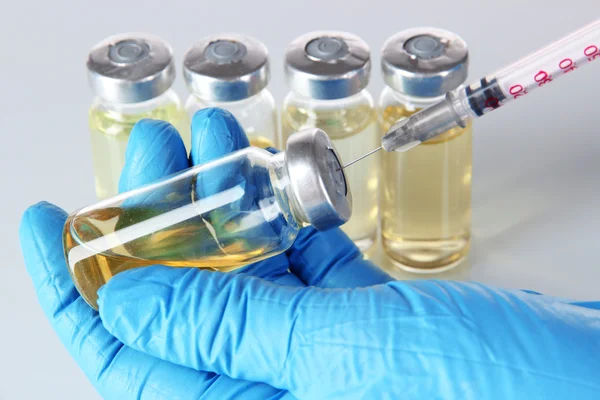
x: 235, y: 325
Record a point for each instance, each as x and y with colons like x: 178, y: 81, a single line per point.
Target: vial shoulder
x: 266, y: 97
x: 387, y: 97
x: 257, y: 156
x: 361, y: 99
x: 262, y: 101
x: 339, y: 118
x: 390, y: 96
x: 256, y: 114
x: 118, y: 119
x: 193, y: 104
x: 167, y: 99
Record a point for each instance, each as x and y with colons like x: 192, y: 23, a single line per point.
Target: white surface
x: 536, y: 174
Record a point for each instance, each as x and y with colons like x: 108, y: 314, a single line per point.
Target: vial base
x: 426, y: 256
x: 352, y: 131
x: 109, y: 136
x: 426, y: 207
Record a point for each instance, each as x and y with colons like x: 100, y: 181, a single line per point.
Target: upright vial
x: 221, y: 215
x: 426, y: 205
x: 327, y: 73
x: 231, y: 71
x: 131, y: 75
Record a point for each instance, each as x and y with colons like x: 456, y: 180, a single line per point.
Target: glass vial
x: 221, y: 215
x: 327, y: 73
x: 131, y: 75
x: 231, y: 71
x: 426, y: 204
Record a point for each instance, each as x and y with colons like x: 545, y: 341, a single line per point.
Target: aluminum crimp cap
x: 424, y: 62
x: 318, y: 183
x: 226, y: 67
x: 130, y: 68
x: 327, y: 65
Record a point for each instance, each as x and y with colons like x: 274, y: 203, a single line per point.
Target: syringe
x: 495, y: 90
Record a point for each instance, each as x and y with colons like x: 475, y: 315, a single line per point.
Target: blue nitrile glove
x: 416, y: 340
x: 119, y: 371
x: 399, y: 340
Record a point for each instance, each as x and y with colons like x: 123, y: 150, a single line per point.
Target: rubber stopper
x: 128, y: 51
x: 336, y: 173
x: 327, y: 48
x: 225, y: 51
x: 425, y: 47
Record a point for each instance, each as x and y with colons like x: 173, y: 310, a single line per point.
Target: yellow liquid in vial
x: 426, y: 205
x: 109, y: 135
x: 353, y: 131
x: 192, y: 243
x: 260, y: 141
x: 263, y: 133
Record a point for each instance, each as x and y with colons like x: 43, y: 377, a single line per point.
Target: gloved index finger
x: 154, y: 151
x: 215, y: 133
x: 329, y: 259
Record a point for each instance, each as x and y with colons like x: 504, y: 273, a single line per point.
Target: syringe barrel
x: 495, y: 90
x: 549, y: 63
x: 427, y: 123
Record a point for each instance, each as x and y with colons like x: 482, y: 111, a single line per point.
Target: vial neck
x: 414, y: 102
x: 282, y: 186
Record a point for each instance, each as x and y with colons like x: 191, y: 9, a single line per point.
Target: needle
x: 360, y: 158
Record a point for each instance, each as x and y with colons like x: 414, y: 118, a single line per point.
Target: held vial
x: 131, y: 76
x: 222, y: 215
x: 231, y: 71
x: 327, y: 73
x: 426, y: 191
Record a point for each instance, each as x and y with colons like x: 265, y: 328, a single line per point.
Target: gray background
x: 536, y: 182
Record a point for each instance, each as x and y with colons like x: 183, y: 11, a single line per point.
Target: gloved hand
x: 121, y: 372
x: 409, y: 340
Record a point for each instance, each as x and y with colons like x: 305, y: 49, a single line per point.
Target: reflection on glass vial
x: 131, y: 76
x: 327, y: 73
x: 231, y: 71
x: 221, y: 215
x: 426, y: 191
x: 110, y: 126
x: 426, y: 199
